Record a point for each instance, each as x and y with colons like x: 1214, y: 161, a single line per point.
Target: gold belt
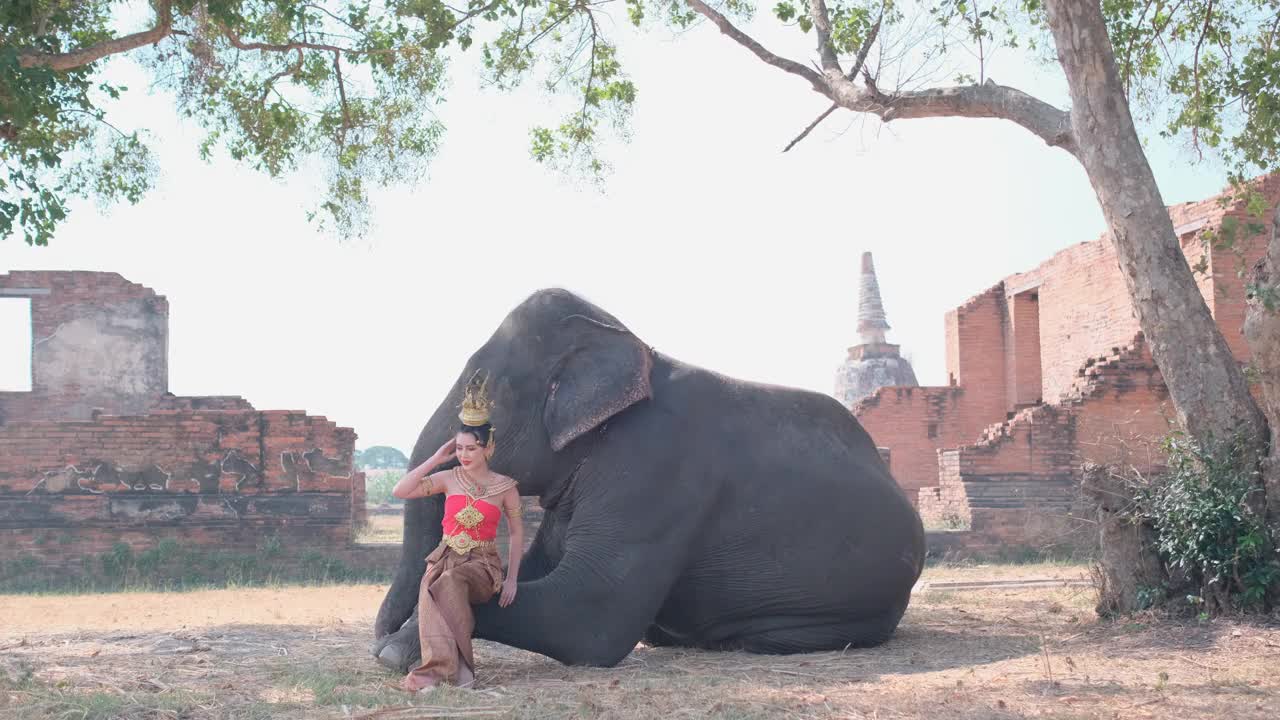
x: 463, y: 543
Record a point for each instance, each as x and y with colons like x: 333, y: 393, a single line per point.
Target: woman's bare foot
x: 417, y: 683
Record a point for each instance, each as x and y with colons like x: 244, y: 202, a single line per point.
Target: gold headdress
x: 475, y: 403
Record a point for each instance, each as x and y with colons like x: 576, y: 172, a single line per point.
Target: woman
x: 465, y: 568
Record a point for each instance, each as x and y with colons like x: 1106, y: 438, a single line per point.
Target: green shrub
x: 1206, y: 512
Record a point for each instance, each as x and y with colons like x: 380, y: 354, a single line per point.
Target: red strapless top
x: 478, y: 519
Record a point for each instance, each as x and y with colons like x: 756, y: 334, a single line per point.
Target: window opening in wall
x: 15, y: 344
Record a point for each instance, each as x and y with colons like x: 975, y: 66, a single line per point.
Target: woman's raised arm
x: 418, y: 482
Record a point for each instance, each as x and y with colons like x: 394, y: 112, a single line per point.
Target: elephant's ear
x: 605, y: 372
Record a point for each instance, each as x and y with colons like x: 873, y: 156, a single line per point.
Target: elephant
x: 681, y: 507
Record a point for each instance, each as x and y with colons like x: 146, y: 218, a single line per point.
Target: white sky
x: 708, y: 242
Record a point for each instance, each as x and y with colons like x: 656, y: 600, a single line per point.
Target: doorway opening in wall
x: 1026, y: 349
x: 15, y: 345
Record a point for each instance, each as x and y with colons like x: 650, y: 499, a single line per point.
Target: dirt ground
x: 1027, y: 646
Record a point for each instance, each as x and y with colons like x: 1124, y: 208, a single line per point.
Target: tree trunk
x: 1262, y: 332
x: 1205, y: 381
x: 1129, y: 575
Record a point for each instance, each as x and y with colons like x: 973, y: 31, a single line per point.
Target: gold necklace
x: 468, y: 517
x: 475, y: 490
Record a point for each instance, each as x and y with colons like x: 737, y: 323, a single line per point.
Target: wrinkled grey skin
x: 683, y: 507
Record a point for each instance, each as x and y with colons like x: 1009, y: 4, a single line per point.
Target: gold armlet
x: 516, y: 512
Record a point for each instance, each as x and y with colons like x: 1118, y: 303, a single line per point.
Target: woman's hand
x: 416, y: 483
x: 508, y: 591
x: 444, y: 454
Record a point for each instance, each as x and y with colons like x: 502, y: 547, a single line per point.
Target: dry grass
x: 303, y: 653
x: 382, y: 528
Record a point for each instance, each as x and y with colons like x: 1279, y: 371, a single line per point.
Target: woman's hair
x: 481, y: 433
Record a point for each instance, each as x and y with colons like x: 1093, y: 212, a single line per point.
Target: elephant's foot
x: 466, y: 677
x: 657, y: 637
x: 400, y: 650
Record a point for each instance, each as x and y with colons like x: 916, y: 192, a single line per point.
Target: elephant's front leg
x: 547, y: 547
x: 402, y: 649
x: 617, y: 570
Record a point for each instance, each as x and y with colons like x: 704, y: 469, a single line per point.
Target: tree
x: 380, y: 457
x: 277, y: 83
x: 1215, y: 65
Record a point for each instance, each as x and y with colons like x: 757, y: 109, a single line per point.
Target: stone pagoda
x: 873, y: 363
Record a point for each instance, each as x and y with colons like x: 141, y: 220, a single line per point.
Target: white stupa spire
x: 871, y: 320
x: 872, y: 363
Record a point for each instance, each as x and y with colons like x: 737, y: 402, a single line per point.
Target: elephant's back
x: 807, y: 516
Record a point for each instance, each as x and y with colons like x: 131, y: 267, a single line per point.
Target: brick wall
x: 223, y: 478
x: 1224, y: 263
x: 1084, y: 304
x: 99, y: 453
x: 1017, y: 486
x: 975, y: 357
x: 359, y: 502
x: 912, y: 423
x: 1122, y: 408
x: 100, y: 342
x: 1084, y: 310
x: 1065, y: 334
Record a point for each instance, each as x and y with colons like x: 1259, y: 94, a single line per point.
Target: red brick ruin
x: 98, y: 452
x: 1047, y: 369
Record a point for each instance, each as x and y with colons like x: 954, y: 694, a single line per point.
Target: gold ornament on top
x: 476, y: 404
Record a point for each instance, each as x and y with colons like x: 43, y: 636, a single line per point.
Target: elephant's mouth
x: 559, y: 488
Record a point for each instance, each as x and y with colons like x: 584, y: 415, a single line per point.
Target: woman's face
x: 471, y: 454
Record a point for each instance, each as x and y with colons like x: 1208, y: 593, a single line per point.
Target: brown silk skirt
x: 451, y: 585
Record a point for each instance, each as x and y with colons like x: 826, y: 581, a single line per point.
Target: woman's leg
x: 445, y: 620
x: 438, y: 611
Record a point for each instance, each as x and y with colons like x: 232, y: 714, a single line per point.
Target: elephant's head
x: 558, y: 367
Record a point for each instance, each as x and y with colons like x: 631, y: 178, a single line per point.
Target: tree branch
x: 342, y: 99
x: 861, y: 59
x: 988, y: 100
x: 60, y: 62
x: 1128, y: 51
x: 586, y: 92
x: 237, y: 43
x: 822, y: 28
x: 96, y: 116
x: 805, y: 133
x: 269, y: 85
x: 791, y: 66
x: 853, y: 72
x: 1195, y: 66
x: 982, y: 52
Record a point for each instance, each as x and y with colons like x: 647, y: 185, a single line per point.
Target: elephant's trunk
x: 422, y: 518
